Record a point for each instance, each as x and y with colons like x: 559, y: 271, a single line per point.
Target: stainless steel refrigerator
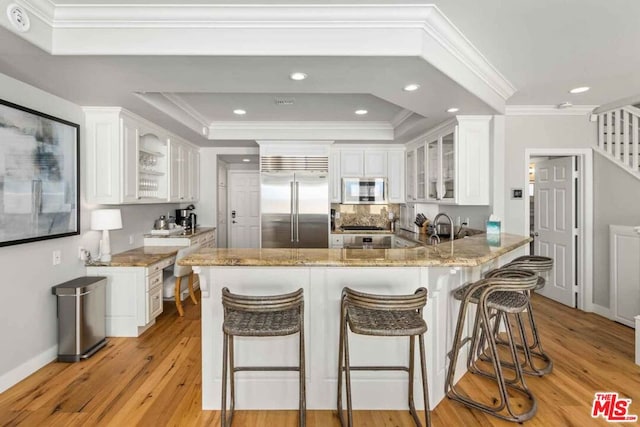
x: 295, y: 209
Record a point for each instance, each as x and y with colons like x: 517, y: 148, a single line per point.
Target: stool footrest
x: 377, y: 368
x: 265, y: 368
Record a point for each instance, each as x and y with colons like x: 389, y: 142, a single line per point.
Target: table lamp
x: 105, y: 220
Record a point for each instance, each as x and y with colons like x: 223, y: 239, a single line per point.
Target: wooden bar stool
x: 385, y: 316
x: 181, y: 271
x: 261, y: 316
x: 537, y: 264
x: 496, y: 298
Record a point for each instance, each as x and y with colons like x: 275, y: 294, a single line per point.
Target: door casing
x: 584, y: 157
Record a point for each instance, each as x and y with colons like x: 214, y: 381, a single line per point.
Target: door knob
x: 233, y: 222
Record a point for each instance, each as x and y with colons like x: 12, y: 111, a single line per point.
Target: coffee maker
x: 186, y: 218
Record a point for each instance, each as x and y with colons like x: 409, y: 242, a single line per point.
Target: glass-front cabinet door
x: 421, y: 174
x: 448, y: 167
x: 433, y: 159
x: 411, y: 175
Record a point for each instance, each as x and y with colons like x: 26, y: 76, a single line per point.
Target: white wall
x: 522, y: 132
x: 616, y: 202
x: 28, y: 324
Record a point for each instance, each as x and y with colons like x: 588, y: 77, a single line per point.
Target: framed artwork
x: 39, y: 176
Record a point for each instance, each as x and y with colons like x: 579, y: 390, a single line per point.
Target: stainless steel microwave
x: 366, y: 191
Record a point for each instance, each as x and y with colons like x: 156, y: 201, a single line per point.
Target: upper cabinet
x: 130, y: 160
x: 451, y: 163
x: 184, y: 171
x: 370, y: 162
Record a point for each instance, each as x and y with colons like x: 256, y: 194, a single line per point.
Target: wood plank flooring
x: 154, y: 380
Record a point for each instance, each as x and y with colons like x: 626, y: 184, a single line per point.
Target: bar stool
x: 384, y: 316
x: 537, y: 264
x: 261, y: 316
x: 496, y: 297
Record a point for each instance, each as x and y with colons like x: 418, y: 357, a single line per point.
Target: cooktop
x: 362, y: 227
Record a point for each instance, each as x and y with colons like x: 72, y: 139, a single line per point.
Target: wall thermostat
x: 516, y: 193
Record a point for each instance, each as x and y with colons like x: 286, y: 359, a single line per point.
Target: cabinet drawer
x: 154, y: 303
x: 158, y: 266
x: 337, y: 240
x: 154, y: 280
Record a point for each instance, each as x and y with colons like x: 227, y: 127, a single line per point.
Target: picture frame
x: 39, y: 176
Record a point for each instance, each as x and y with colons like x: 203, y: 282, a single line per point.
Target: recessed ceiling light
x: 411, y: 87
x: 453, y: 110
x: 239, y: 112
x: 361, y: 112
x: 580, y: 89
x: 246, y: 160
x: 298, y: 76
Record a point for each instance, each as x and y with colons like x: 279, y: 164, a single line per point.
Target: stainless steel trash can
x: 81, y: 317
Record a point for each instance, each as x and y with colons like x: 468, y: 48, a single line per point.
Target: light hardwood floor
x: 154, y: 380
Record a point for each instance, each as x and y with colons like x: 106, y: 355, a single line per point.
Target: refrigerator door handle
x: 292, y: 212
x: 297, y: 211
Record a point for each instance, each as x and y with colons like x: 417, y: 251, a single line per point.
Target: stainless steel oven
x: 370, y: 191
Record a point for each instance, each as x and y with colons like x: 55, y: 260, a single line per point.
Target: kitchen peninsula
x: 322, y: 273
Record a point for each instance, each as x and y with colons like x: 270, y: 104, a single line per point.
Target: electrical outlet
x: 337, y: 215
x: 57, y: 257
x: 131, y: 239
x: 81, y: 254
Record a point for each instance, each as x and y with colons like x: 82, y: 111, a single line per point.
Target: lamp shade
x: 106, y: 219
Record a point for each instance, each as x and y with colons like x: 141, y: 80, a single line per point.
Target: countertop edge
x: 433, y: 257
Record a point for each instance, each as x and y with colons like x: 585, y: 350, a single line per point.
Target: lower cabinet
x: 134, y: 297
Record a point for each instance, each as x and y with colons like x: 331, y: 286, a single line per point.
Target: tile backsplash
x: 375, y: 215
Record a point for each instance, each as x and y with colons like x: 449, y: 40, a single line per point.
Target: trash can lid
x: 77, y: 285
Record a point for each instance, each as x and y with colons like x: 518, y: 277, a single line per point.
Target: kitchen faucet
x: 436, y: 223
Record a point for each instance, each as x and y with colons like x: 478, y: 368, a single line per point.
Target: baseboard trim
x: 601, y: 311
x: 21, y: 372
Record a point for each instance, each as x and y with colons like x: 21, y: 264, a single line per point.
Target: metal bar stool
x: 537, y: 264
x: 385, y: 316
x: 261, y: 316
x: 496, y: 298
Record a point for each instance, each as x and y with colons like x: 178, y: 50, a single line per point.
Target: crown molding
x: 283, y: 29
x: 439, y: 27
x: 401, y: 117
x: 290, y: 130
x: 548, y: 110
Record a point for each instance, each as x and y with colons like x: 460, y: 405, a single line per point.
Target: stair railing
x: 618, y: 136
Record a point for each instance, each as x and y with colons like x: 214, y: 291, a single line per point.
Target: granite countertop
x: 140, y: 257
x: 199, y: 230
x: 468, y: 252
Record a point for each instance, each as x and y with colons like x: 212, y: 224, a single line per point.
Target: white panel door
x: 395, y: 176
x: 554, y: 226
x: 624, y: 274
x: 244, y: 209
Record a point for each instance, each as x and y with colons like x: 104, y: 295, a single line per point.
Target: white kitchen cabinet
x: 335, y: 179
x: 128, y: 160
x: 411, y: 175
x: 184, y: 173
x: 336, y: 241
x: 395, y: 176
x: 375, y: 163
x: 452, y: 163
x: 386, y: 162
x: 134, y: 297
x: 352, y: 163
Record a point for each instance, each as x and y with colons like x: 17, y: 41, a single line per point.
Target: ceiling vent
x: 18, y: 18
x: 284, y: 101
